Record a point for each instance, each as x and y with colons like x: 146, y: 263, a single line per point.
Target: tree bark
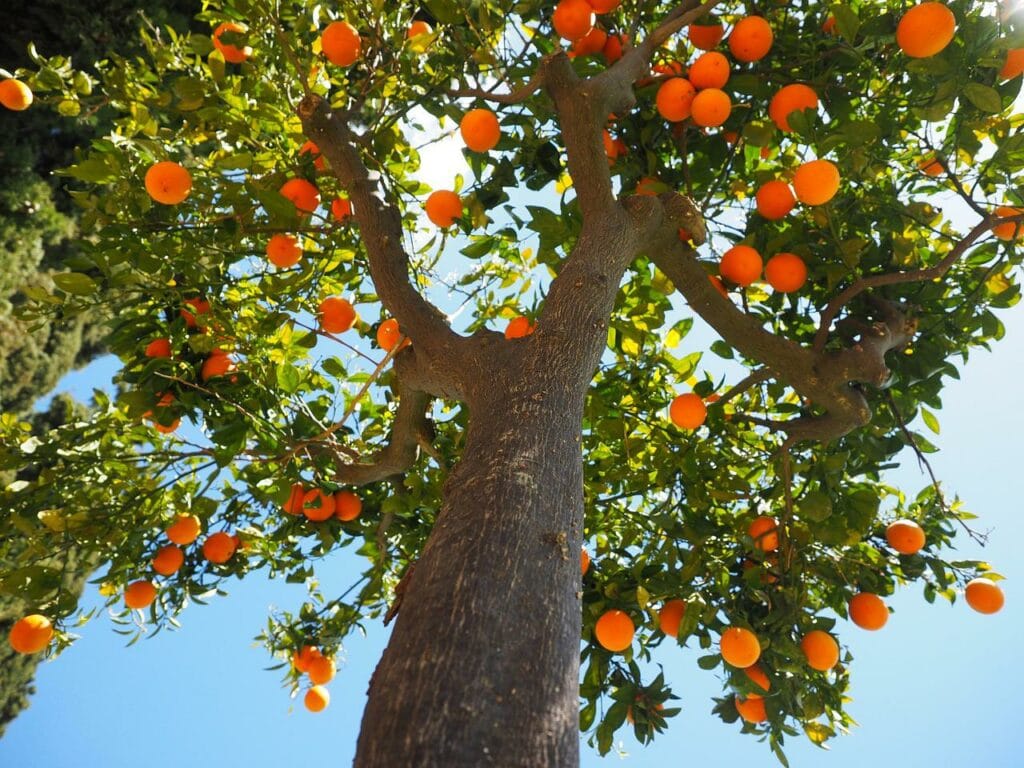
x: 483, y: 665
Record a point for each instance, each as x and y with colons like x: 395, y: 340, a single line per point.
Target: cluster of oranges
x: 320, y: 669
x: 319, y: 505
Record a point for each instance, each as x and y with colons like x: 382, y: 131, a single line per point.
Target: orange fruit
x: 764, y: 532
x: 518, y: 327
x: 30, y: 634
x: 984, y: 596
x: 816, y: 182
x: 418, y: 28
x: 388, y: 334
x: 231, y: 53
x: 710, y: 70
x: 304, y: 658
x: 341, y: 208
x: 739, y: 647
x: 592, y: 42
x: 443, y: 207
x: 168, y: 183
x: 710, y: 108
x: 868, y: 611
x: 318, y: 161
x: 347, y: 506
x: 788, y: 99
x: 718, y: 286
x: 930, y: 166
x: 168, y: 560
x: 480, y: 130
x: 925, y: 30
x: 604, y: 6
x: 317, y: 505
x: 612, y: 50
x: 705, y: 36
x: 184, y: 530
x: 321, y: 670
x: 613, y: 147
x: 829, y: 26
x: 688, y: 411
x: 774, y: 200
x: 821, y: 650
x: 650, y: 187
x: 294, y: 504
x: 669, y: 617
x: 139, y: 594
x: 219, y: 547
x: 158, y: 348
x: 741, y: 265
x: 304, y: 195
x: 340, y: 43
x: 1013, y: 67
x: 1012, y: 229
x: 674, y: 98
x: 15, y: 95
x: 196, y: 307
x: 336, y: 315
x: 573, y: 19
x: 584, y: 560
x: 614, y: 631
x: 751, y: 709
x: 751, y: 39
x: 219, y: 363
x: 317, y: 698
x: 905, y: 536
x: 284, y: 251
x: 758, y: 676
x: 786, y: 272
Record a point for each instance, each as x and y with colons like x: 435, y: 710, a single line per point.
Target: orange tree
x: 833, y: 190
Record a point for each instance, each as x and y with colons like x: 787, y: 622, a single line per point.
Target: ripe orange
x: 604, y: 6
x: 341, y: 208
x: 337, y: 315
x: 168, y: 183
x: 764, y: 532
x: 317, y: 505
x: 816, y: 182
x: 231, y: 53
x: 669, y: 617
x: 139, y: 594
x: 741, y: 265
x: 592, y: 42
x: 1013, y: 67
x: 196, y: 307
x: 751, y: 709
x: 158, y: 348
x: 303, y: 194
x: 706, y: 36
x: 347, y: 506
x: 614, y: 631
x: 925, y: 30
x: 388, y: 334
x: 650, y: 187
x: 573, y: 19
x: 443, y: 207
x: 739, y: 647
x: 930, y: 165
x: 786, y: 272
x: 757, y: 674
x: 584, y: 560
x: 674, y: 98
x: 774, y: 200
x: 30, y: 634
x: 710, y: 108
x: 184, y: 530
x: 710, y: 70
x: 321, y: 670
x: 829, y: 26
x: 340, y: 43
x: 788, y: 99
x: 905, y: 536
x: 480, y: 130
x: 821, y: 650
x: 984, y: 596
x: 1012, y: 229
x: 751, y: 39
x: 294, y: 504
x: 219, y: 363
x: 219, y: 547
x: 318, y: 161
x: 418, y: 28
x: 613, y: 47
x: 304, y: 658
x: 317, y: 698
x: 518, y: 327
x: 868, y: 611
x: 688, y: 411
x: 15, y: 95
x: 284, y: 251
x: 168, y: 560
x: 166, y: 400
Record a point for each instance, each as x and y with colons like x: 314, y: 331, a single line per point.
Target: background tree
x: 743, y: 521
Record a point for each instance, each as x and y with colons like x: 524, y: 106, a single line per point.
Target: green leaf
x: 930, y: 420
x: 76, y: 283
x: 288, y: 378
x: 983, y: 97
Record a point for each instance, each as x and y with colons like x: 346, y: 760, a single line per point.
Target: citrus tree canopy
x: 486, y: 388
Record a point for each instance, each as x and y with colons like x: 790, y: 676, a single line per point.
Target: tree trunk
x: 483, y: 665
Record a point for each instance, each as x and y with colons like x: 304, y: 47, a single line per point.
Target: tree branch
x: 515, y: 96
